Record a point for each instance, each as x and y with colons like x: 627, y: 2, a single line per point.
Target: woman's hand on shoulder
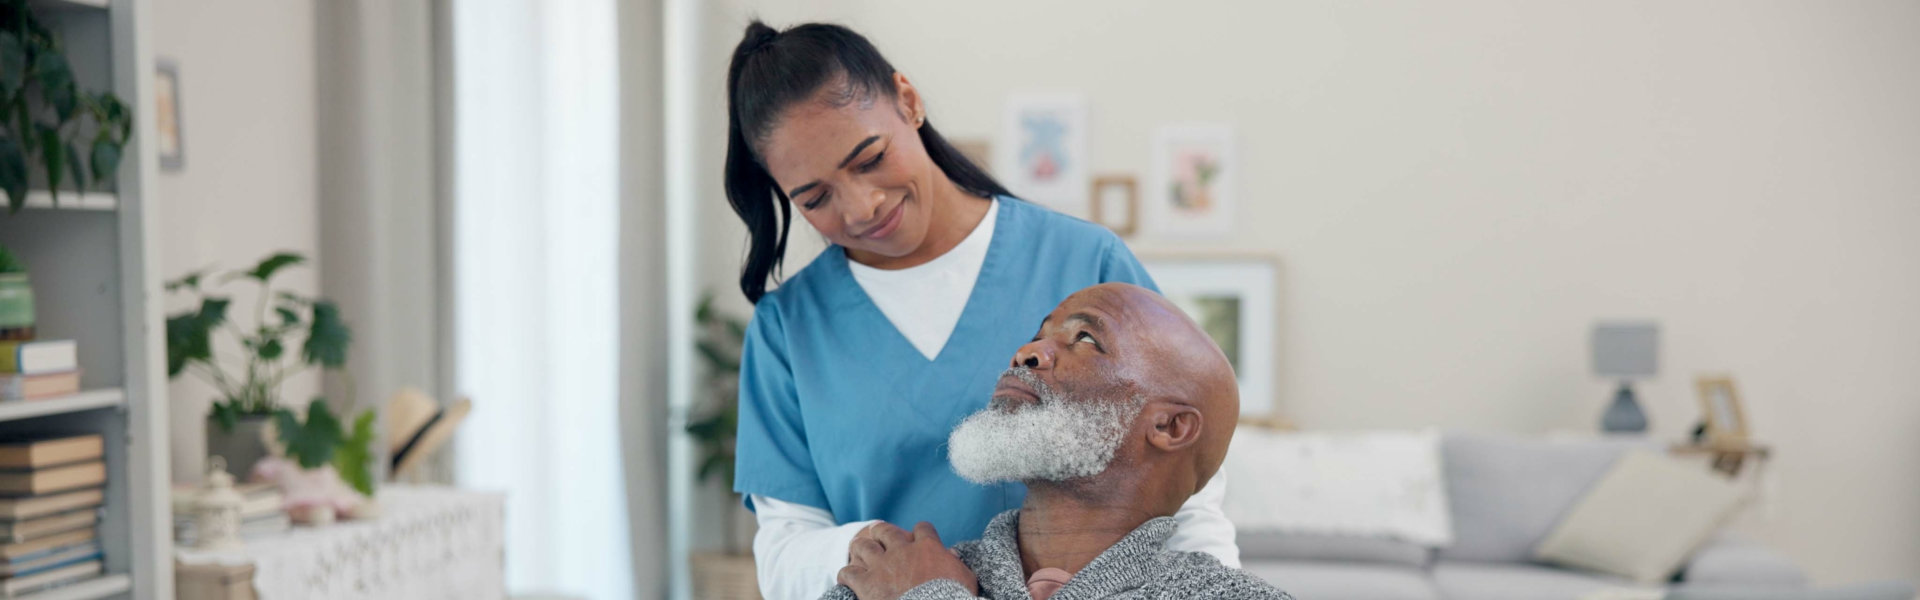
x: 885, y: 561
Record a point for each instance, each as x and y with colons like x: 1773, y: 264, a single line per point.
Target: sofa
x: 1505, y: 494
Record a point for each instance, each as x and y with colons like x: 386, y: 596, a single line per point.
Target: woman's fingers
x: 863, y: 549
x: 850, y: 575
x: 890, y: 535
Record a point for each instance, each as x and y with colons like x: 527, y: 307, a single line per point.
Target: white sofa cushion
x: 1258, y: 545
x: 1383, y: 485
x: 1320, y: 580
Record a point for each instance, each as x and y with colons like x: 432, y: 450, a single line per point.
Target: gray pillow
x: 1506, y: 492
x: 1344, y: 548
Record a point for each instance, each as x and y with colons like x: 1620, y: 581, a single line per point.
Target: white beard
x: 1057, y: 439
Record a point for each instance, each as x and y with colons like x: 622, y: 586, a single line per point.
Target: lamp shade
x: 1626, y: 349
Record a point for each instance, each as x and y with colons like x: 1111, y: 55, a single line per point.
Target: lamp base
x: 1624, y: 415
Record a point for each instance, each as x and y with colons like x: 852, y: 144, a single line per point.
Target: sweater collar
x: 1125, y: 565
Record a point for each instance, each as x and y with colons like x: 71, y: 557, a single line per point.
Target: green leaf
x: 56, y: 83
x: 13, y: 173
x: 13, y: 64
x: 328, y: 337
x: 190, y: 335
x: 713, y: 462
x: 265, y: 269
x: 354, y: 460
x: 77, y: 168
x: 287, y: 316
x: 190, y: 281
x: 717, y: 358
x: 227, y: 415
x: 272, y: 349
x: 54, y: 157
x: 312, y: 442
x: 106, y: 159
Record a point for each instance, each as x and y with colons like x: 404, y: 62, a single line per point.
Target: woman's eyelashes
x: 871, y: 164
x: 862, y: 168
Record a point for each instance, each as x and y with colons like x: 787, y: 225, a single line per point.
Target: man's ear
x: 1175, y: 426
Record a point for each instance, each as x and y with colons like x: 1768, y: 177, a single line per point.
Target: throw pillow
x: 1642, y: 519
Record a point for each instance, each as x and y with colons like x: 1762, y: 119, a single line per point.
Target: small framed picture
x: 166, y: 97
x: 1234, y: 298
x: 1720, y: 402
x: 1116, y: 203
x: 1190, y: 184
x: 1042, y: 153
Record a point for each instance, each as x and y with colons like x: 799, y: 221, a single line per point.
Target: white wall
x: 249, y: 186
x: 1456, y: 191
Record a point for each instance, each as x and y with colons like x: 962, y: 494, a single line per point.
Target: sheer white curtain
x: 535, y: 226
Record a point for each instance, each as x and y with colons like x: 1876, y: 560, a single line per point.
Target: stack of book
x: 50, y: 498
x: 38, y: 369
x: 262, y: 514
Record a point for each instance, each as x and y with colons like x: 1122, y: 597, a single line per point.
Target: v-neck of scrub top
x: 925, y: 302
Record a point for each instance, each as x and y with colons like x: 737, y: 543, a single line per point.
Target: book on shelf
x: 13, y: 532
x: 31, y: 507
x: 17, y: 586
x: 53, y: 543
x: 39, y: 387
x: 39, y: 453
x: 53, y: 479
x: 265, y: 526
x: 34, y: 357
x: 51, y: 559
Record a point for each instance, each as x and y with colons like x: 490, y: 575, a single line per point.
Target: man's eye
x: 1086, y: 337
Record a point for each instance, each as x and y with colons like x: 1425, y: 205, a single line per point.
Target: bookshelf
x: 91, y: 259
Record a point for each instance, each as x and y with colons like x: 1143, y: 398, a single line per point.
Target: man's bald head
x: 1118, y: 384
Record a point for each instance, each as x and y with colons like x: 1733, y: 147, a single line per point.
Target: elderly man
x: 1116, y: 412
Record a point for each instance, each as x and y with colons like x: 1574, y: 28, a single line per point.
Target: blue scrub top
x: 839, y: 411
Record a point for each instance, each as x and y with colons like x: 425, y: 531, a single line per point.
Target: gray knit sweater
x: 1139, y: 567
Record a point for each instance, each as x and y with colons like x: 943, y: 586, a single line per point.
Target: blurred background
x: 1447, y: 208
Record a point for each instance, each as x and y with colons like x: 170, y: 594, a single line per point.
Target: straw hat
x: 416, y: 426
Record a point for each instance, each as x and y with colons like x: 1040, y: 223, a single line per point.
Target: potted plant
x: 16, y: 298
x: 290, y: 334
x: 727, y: 575
x: 46, y: 120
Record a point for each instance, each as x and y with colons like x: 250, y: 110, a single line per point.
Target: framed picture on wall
x: 1115, y: 203
x: 1235, y: 299
x: 1720, y: 403
x: 1042, y: 153
x: 166, y: 98
x: 1190, y: 182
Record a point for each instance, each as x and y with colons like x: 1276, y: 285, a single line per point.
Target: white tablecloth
x: 428, y: 542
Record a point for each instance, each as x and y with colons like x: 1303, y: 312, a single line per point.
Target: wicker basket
x: 718, y: 576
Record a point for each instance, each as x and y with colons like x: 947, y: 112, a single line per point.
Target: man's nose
x: 1034, y: 355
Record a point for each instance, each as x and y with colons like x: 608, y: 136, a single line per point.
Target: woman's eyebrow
x: 796, y: 192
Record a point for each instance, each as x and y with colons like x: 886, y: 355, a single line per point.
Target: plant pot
x: 16, y: 307
x: 718, y: 576
x: 242, y: 447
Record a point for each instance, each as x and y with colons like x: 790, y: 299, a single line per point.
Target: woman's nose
x: 1035, y: 355
x: 867, y: 213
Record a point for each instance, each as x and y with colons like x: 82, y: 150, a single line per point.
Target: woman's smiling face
x: 854, y: 167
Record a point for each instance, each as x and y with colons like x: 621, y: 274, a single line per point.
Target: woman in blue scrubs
x: 858, y: 366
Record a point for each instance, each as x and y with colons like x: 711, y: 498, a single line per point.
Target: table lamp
x: 1625, y: 351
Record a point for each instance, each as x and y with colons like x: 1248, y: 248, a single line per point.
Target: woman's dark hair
x: 771, y: 71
